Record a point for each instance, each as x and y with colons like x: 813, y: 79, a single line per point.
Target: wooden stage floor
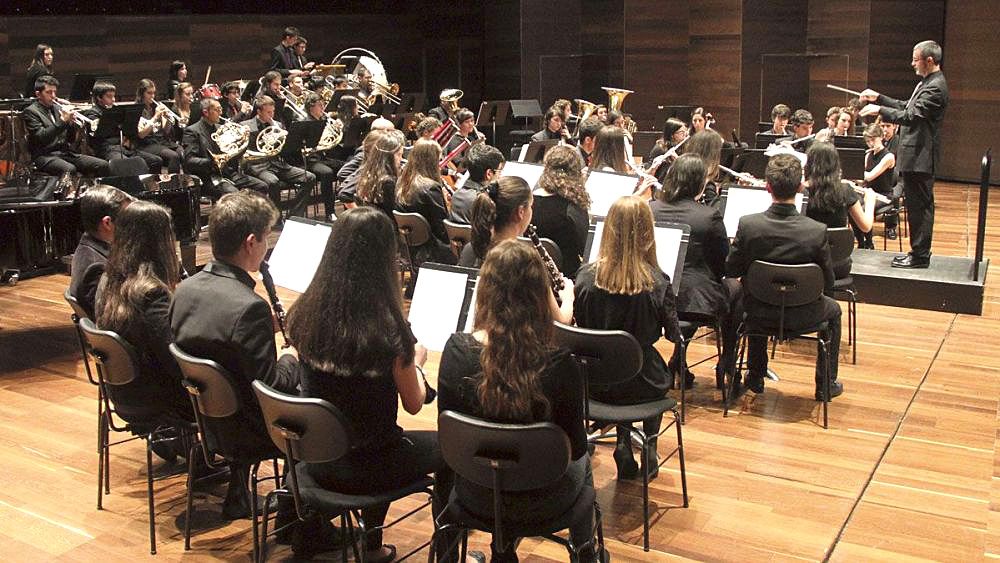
x: 909, y: 469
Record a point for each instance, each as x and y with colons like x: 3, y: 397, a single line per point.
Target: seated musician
x: 110, y: 147
x: 271, y: 87
x: 199, y: 148
x: 880, y: 175
x: 780, y: 115
x: 99, y: 206
x: 674, y: 133
x: 186, y: 108
x: 48, y: 126
x: 699, y: 120
x: 283, y: 59
x: 626, y: 290
x: 348, y: 175
x: 233, y: 108
x: 784, y: 236
x: 609, y: 151
x: 217, y: 315
x: 273, y: 170
x: 447, y: 106
x: 376, y: 179
x: 156, y: 137
x: 467, y: 134
x: 363, y: 76
x: 419, y: 189
x: 483, y: 164
x: 553, y: 126
x: 802, y: 126
x: 298, y: 90
x: 565, y: 108
x: 704, y: 295
x: 178, y: 73
x: 845, y: 121
x: 321, y: 163
x: 832, y: 117
x: 601, y: 113
x: 587, y: 138
x: 708, y: 145
x: 41, y: 65
x: 426, y: 127
x: 889, y: 137
x: 559, y: 206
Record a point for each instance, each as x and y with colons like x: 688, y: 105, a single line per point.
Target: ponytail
x: 494, y: 209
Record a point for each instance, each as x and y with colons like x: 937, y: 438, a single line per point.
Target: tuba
x: 269, y: 143
x: 449, y: 99
x: 332, y: 134
x: 232, y: 139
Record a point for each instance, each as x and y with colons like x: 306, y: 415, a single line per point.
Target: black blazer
x: 784, y: 236
x: 46, y: 132
x: 89, y: 261
x: 919, y: 122
x: 35, y: 71
x: 280, y: 63
x: 197, y: 142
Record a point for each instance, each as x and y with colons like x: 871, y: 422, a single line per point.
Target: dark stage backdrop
x: 734, y: 57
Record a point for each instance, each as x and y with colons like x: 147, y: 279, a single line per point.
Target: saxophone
x: 555, y: 275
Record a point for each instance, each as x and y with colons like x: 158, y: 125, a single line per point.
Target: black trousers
x: 171, y: 156
x: 326, y: 173
x: 62, y: 162
x: 278, y: 175
x: 918, y: 188
x: 826, y: 309
x: 153, y: 162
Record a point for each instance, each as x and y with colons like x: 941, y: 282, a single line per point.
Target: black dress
x: 646, y: 316
x: 427, y: 199
x: 35, y: 71
x: 387, y: 188
x: 566, y: 224
x: 834, y: 217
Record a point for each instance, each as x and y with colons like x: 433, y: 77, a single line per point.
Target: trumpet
x: 87, y: 124
x: 169, y: 113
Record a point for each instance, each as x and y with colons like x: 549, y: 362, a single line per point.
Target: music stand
x: 852, y: 163
x: 302, y: 134
x: 130, y: 119
x: 849, y: 142
x: 83, y: 84
x: 492, y: 114
x: 412, y: 102
x: 356, y: 131
x: 337, y: 95
x: 111, y: 122
x: 536, y: 150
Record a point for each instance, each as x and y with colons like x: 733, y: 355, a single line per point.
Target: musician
x: 503, y: 211
x: 844, y: 122
x: 348, y: 175
x: 565, y: 108
x: 626, y: 290
x: 283, y: 59
x: 364, y: 79
x: 41, y: 65
x: 322, y: 164
x: 784, y: 236
x: 185, y: 107
x: 674, y: 133
x: 48, y: 125
x: 919, y: 122
x: 609, y: 151
x: 156, y: 137
x: 704, y: 294
x: 376, y: 183
x: 217, y: 315
x: 467, y: 133
x: 699, y: 120
x: 617, y: 119
x: 233, y: 108
x: 780, y: 114
x: 271, y: 87
x: 110, y: 147
x: 553, y: 126
x: 303, y: 68
x: 297, y: 88
x: 601, y: 113
x: 419, y: 189
x: 178, y: 73
x: 99, y: 206
x: 483, y: 163
x: 802, y: 126
x: 360, y: 355
x: 880, y: 175
x: 426, y: 127
x: 587, y: 138
x: 447, y: 106
x: 199, y: 148
x: 274, y: 171
x: 889, y: 137
x: 559, y: 206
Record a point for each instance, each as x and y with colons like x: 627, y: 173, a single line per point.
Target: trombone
x: 294, y: 103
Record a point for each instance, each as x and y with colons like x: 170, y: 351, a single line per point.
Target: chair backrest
x: 607, y: 356
x: 210, y: 384
x: 784, y: 285
x: 414, y: 228
x: 460, y: 234
x: 78, y: 312
x: 526, y: 456
x: 116, y: 359
x: 305, y: 429
x: 550, y: 246
x: 841, y: 244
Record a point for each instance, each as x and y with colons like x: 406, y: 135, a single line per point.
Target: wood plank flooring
x: 909, y: 469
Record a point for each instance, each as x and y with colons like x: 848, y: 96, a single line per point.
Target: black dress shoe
x: 890, y: 233
x: 756, y: 384
x: 911, y: 262
x: 628, y: 467
x: 836, y: 390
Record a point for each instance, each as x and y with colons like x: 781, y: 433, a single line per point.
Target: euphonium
x: 449, y: 99
x: 232, y: 139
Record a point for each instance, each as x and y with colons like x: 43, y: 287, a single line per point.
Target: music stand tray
x: 337, y: 95
x: 537, y: 149
x: 302, y: 134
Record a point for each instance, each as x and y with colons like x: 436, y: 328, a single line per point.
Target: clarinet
x: 555, y: 276
x: 272, y: 294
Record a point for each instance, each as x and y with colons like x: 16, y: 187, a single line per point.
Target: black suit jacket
x: 279, y: 62
x: 261, y: 166
x: 89, y: 261
x: 216, y: 315
x: 46, y: 133
x: 784, y: 236
x: 197, y: 141
x: 919, y: 122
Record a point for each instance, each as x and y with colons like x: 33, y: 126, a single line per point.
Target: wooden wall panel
x: 657, y: 46
x: 837, y: 37
x: 5, y: 61
x: 502, y: 49
x: 602, y: 42
x: 549, y: 29
x: 714, y: 60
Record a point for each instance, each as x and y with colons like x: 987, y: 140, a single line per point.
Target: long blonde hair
x: 421, y: 170
x: 627, y: 259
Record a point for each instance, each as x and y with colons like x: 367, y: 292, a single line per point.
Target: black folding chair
x: 116, y: 363
x: 214, y: 397
x: 314, y: 431
x: 784, y: 286
x: 509, y: 458
x: 608, y: 358
x: 841, y: 246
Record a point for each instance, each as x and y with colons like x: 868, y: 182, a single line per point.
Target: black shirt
x: 566, y: 224
x: 462, y: 201
x: 885, y: 182
x: 835, y: 216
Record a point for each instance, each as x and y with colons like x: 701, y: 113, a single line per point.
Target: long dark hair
x: 670, y: 126
x: 175, y: 67
x: 142, y: 260
x: 563, y: 175
x: 512, y: 308
x: 421, y: 171
x: 39, y: 58
x: 685, y: 179
x: 708, y: 145
x: 379, y: 165
x: 350, y: 321
x: 609, y: 149
x: 494, y: 209
x: 822, y: 170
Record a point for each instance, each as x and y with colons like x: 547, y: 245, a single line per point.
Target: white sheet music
x: 668, y: 244
x: 470, y: 320
x: 745, y: 201
x: 437, y: 306
x: 605, y: 189
x: 530, y: 172
x: 297, y: 254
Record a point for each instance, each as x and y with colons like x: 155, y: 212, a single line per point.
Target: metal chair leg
x: 680, y: 455
x: 101, y: 444
x: 644, y: 469
x: 149, y: 493
x: 190, y: 500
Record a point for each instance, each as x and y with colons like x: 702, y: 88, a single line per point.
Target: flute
x: 754, y: 181
x: 272, y: 295
x: 656, y: 162
x: 861, y: 190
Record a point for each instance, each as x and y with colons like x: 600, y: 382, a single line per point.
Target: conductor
x: 920, y: 120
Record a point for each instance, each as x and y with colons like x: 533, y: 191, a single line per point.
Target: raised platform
x: 946, y: 286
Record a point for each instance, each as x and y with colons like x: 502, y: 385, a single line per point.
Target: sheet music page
x: 523, y: 153
x: 530, y: 172
x: 436, y: 306
x: 470, y: 320
x: 746, y: 201
x: 297, y: 254
x: 668, y: 244
x: 605, y: 189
